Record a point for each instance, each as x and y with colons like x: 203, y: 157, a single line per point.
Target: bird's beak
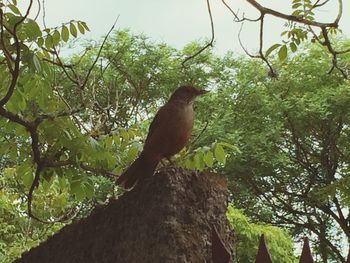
x: 202, y: 91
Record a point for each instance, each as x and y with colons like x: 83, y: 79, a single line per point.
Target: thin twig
x: 210, y: 43
x: 200, y: 134
x: 44, y: 14
x: 39, y: 10
x: 98, y: 54
x: 241, y: 44
x: 75, y: 81
x: 231, y: 10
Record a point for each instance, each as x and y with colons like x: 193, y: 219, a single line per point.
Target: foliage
x: 292, y: 135
x: 136, y: 78
x: 38, y: 136
x: 302, y: 25
x: 69, y: 126
x: 247, y: 239
x: 17, y: 231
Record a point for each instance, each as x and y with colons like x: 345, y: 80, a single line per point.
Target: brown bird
x: 168, y: 134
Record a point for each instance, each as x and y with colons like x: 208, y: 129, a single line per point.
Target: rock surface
x: 174, y: 216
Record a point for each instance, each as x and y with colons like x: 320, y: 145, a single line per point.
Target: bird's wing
x: 161, y: 114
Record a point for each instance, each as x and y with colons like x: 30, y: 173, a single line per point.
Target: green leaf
x: 133, y: 151
x: 282, y: 53
x: 46, y: 54
x: 17, y: 102
x: 41, y: 93
x: 209, y: 158
x: 37, y: 63
x: 125, y: 135
x: 81, y: 28
x: 219, y: 153
x: 64, y: 33
x: 77, y: 189
x: 63, y: 182
x: 14, y: 9
x: 85, y: 26
x: 131, y: 134
x: 61, y: 201
x: 198, y: 160
x: 67, y: 133
x: 56, y: 37
x: 297, y: 12
x: 293, y: 47
x: 89, y: 189
x: 32, y: 29
x: 79, y: 193
x: 295, y: 6
x: 272, y: 48
x: 40, y: 41
x: 26, y: 173
x: 49, y: 42
x: 73, y: 29
x: 108, y: 142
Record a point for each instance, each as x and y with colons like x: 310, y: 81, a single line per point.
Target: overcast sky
x: 178, y: 22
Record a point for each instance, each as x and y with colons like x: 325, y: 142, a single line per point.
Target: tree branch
x: 302, y: 19
x: 98, y: 54
x: 15, y: 70
x: 210, y: 43
x: 297, y: 19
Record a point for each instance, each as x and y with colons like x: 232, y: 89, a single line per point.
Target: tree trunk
x: 174, y: 216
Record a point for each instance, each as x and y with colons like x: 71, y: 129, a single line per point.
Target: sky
x: 180, y: 22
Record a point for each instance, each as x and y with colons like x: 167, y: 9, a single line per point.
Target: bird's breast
x: 173, y: 131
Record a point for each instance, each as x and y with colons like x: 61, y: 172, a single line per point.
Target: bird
x: 168, y: 134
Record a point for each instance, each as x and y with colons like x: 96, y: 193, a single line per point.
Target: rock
x: 174, y: 216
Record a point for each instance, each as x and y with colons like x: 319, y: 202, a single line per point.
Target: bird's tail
x: 140, y: 168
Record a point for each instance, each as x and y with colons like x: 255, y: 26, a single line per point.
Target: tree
x: 302, y: 23
x: 247, y: 239
x: 65, y: 124
x: 292, y: 140
x: 69, y: 126
x: 39, y: 137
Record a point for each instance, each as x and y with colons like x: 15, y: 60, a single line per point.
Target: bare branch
x: 272, y: 73
x: 14, y: 117
x: 297, y: 19
x: 340, y: 12
x: 210, y: 43
x: 35, y: 184
x: 318, y: 4
x: 39, y: 10
x: 329, y: 46
x: 231, y: 10
x: 261, y: 55
x: 98, y: 54
x: 8, y: 57
x: 60, y: 63
x: 241, y: 44
x: 200, y: 134
x: 44, y: 14
x: 98, y: 171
